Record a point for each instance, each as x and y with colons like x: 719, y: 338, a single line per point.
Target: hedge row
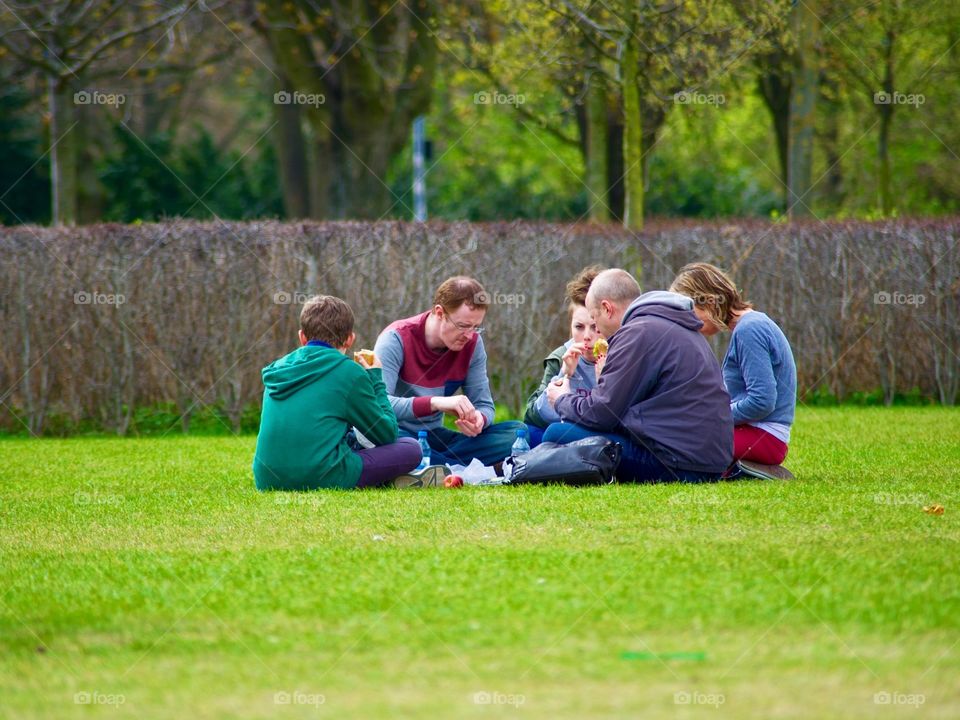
x: 104, y: 319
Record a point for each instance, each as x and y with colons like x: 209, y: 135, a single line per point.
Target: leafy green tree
x: 888, y: 49
x: 364, y: 71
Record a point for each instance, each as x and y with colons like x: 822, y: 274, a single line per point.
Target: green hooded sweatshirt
x: 311, y: 398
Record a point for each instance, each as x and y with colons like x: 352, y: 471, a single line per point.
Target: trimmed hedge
x: 104, y: 319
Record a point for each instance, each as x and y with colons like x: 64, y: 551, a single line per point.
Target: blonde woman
x: 758, y: 369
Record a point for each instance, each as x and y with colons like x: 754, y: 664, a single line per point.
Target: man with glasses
x: 427, y: 358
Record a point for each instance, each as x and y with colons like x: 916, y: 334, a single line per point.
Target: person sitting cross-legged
x: 427, y: 359
x: 313, y: 397
x: 660, y: 394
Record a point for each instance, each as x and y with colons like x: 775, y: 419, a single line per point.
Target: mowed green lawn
x: 148, y: 579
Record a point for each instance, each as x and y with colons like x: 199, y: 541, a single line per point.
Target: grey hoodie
x: 661, y: 387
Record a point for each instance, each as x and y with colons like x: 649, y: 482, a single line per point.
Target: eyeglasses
x: 465, y: 328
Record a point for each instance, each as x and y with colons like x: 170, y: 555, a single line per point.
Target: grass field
x: 147, y: 578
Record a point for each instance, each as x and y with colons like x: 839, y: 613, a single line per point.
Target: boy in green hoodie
x: 311, y: 400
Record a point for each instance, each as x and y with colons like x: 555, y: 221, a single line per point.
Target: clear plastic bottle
x: 520, y: 445
x: 425, y: 449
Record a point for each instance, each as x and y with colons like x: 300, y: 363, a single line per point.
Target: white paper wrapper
x: 476, y: 473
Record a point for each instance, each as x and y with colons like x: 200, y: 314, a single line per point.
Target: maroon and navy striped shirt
x: 413, y: 373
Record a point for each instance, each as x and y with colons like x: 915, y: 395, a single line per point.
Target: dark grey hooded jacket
x: 661, y: 388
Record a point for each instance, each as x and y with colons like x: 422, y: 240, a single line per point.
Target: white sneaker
x: 431, y: 476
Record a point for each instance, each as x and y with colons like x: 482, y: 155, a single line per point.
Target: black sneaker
x: 431, y: 476
x: 765, y: 472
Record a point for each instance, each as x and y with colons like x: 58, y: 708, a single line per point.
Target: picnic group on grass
x: 637, y: 370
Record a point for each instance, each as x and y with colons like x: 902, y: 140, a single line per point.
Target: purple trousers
x: 382, y: 464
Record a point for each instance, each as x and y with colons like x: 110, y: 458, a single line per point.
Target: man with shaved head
x: 660, y: 393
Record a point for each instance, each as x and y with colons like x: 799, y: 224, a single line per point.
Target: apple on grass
x: 453, y: 481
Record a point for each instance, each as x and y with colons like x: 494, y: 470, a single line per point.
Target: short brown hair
x: 579, y: 285
x: 328, y: 319
x: 459, y: 290
x: 711, y: 289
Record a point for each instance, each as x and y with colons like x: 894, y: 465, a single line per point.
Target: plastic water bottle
x: 425, y: 449
x: 520, y: 445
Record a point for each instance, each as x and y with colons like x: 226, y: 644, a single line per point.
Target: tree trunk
x: 803, y: 98
x: 884, y: 187
x: 883, y: 153
x: 653, y: 118
x: 370, y: 96
x: 63, y: 153
x: 291, y: 158
x: 90, y: 194
x: 615, y: 161
x: 775, y: 90
x: 632, y: 130
x: 833, y: 153
x: 596, y: 155
x: 360, y: 168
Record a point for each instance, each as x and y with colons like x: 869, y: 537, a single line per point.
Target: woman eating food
x: 576, y: 359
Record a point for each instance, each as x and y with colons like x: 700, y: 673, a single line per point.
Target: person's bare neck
x: 431, y: 333
x: 736, y: 315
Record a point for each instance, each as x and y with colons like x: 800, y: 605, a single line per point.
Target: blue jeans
x: 534, y: 435
x: 637, y: 464
x: 448, y: 447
